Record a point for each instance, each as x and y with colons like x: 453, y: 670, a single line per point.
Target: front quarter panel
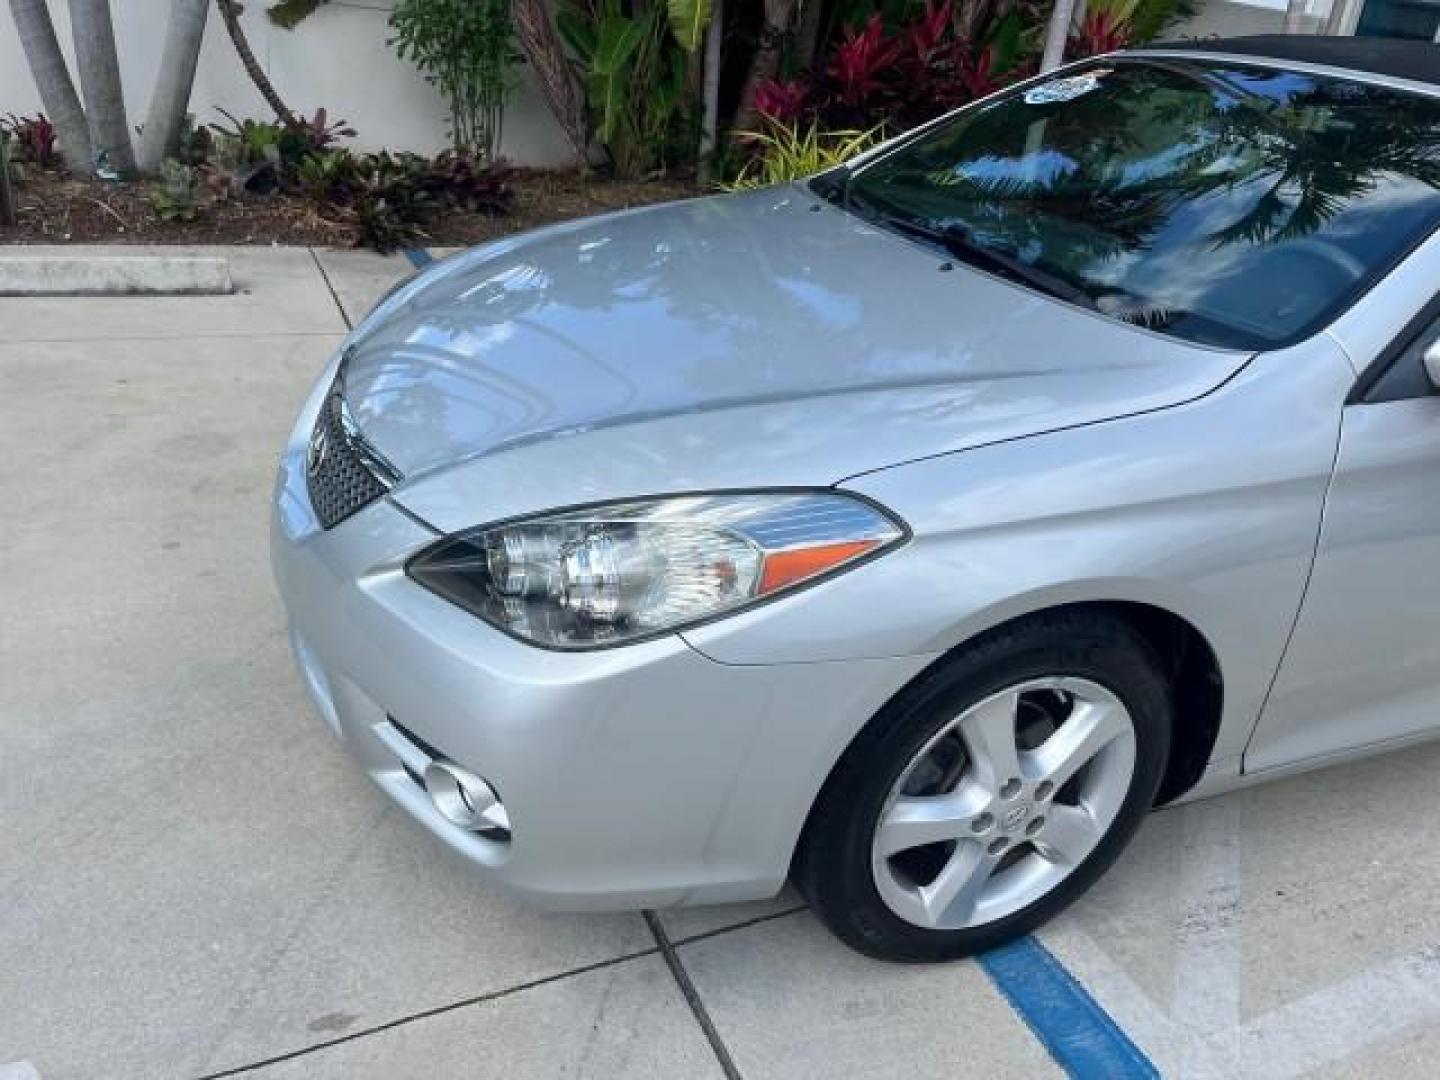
x: 1209, y: 510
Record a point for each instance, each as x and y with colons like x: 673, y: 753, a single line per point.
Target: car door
x: 1363, y: 666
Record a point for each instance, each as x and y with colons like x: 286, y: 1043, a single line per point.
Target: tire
x: 1057, y: 668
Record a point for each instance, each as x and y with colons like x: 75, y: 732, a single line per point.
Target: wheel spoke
x: 1090, y: 728
x: 1070, y: 834
x: 989, y: 734
x: 970, y: 810
x: 916, y: 820
x: 956, y: 890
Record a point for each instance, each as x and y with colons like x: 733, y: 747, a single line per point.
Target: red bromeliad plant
x: 927, y: 33
x: 861, y: 61
x: 941, y: 69
x: 36, y: 138
x: 1102, y: 31
x: 782, y: 101
x: 976, y: 73
x: 876, y: 77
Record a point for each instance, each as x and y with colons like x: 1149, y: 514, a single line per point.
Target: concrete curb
x: 114, y: 275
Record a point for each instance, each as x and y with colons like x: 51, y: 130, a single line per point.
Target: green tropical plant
x: 176, y: 193
x: 256, y: 139
x: 325, y: 177
x: 245, y: 156
x: 636, y: 73
x: 1152, y: 18
x: 617, y: 40
x: 786, y: 153
x: 465, y: 48
x: 390, y: 199
x: 288, y: 14
x: 689, y: 19
x: 261, y: 155
x: 464, y: 182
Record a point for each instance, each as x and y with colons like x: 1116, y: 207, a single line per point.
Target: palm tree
x: 1309, y: 177
x: 171, y: 96
x: 290, y: 13
x: 52, y: 79
x: 765, y: 61
x: 1057, y: 33
x: 100, y: 125
x: 100, y: 82
x: 535, y: 30
x: 7, y: 194
x: 230, y: 15
x: 710, y: 93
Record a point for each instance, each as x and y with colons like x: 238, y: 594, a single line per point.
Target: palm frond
x: 291, y: 13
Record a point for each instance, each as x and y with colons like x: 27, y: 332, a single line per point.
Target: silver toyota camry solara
x: 909, y: 532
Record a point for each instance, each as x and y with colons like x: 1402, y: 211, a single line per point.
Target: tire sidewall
x: 840, y: 872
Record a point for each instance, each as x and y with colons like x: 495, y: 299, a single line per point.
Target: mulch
x: 54, y: 208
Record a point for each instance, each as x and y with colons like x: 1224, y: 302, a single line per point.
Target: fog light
x: 467, y: 801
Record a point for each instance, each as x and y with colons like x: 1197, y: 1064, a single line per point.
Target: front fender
x: 1209, y: 510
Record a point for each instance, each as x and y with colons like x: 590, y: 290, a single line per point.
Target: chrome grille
x: 343, y: 473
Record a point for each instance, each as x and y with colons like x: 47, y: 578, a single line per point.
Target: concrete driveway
x: 194, y: 881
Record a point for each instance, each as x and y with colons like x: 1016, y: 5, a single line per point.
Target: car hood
x: 745, y: 341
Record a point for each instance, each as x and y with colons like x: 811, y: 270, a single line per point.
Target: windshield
x: 1235, y: 206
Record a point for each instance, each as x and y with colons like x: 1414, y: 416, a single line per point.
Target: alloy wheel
x: 1003, y: 803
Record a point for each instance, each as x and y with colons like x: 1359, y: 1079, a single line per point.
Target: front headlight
x: 606, y: 575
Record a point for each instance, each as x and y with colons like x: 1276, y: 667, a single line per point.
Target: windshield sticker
x: 1064, y: 89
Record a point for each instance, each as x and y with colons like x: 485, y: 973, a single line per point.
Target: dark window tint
x: 1234, y: 206
x: 1404, y: 375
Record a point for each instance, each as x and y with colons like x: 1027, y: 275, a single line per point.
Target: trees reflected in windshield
x: 1235, y: 206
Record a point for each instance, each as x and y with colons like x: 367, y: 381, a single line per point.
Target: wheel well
x: 1195, y: 678
x: 1199, y: 689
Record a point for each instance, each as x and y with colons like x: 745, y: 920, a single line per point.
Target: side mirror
x: 1432, y: 363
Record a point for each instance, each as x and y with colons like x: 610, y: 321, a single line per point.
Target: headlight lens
x: 607, y: 575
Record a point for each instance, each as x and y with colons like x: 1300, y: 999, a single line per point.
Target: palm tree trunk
x: 1057, y: 33
x: 230, y: 16
x: 1294, y: 16
x: 968, y: 17
x: 765, y: 62
x: 100, y: 82
x: 807, y: 34
x: 52, y: 79
x: 7, y: 193
x: 710, y: 92
x: 171, y: 96
x: 536, y: 33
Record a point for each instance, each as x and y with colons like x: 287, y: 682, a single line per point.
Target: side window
x: 1411, y: 367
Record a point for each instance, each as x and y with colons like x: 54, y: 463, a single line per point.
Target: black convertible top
x: 1418, y: 60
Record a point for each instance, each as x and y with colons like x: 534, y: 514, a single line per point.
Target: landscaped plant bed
x: 54, y: 209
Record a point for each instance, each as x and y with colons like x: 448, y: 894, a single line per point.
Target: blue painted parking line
x: 1079, y: 1034
x: 419, y: 257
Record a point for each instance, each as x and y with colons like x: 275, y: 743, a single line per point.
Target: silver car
x: 911, y: 532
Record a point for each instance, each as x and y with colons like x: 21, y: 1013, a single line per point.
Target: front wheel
x: 992, y: 792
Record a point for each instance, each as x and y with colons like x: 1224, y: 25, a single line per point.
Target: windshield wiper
x: 959, y: 241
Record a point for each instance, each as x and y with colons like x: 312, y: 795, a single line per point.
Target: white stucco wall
x: 1237, y: 18
x: 337, y: 58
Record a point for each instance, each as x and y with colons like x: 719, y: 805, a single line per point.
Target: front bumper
x: 645, y: 775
